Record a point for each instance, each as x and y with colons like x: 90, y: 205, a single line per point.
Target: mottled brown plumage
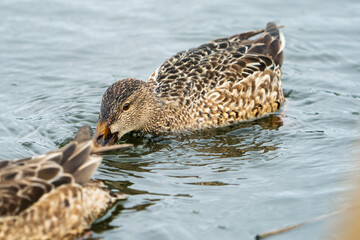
x: 225, y: 81
x: 50, y: 196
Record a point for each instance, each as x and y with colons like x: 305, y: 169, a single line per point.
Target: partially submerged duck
x: 222, y: 82
x: 51, y: 196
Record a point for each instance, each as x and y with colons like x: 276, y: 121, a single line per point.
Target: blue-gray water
x: 58, y: 57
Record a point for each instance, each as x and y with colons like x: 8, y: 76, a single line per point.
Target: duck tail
x: 270, y: 43
x: 77, y: 158
x: 276, y: 43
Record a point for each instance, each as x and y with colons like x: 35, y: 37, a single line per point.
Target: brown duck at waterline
x: 222, y: 82
x: 51, y: 196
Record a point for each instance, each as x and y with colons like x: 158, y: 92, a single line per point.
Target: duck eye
x: 126, y: 106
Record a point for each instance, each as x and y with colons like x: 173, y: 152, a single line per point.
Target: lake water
x: 58, y: 57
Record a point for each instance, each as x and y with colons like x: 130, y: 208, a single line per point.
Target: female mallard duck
x: 225, y: 81
x: 50, y: 196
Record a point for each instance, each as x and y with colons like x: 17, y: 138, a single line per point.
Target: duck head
x: 127, y: 105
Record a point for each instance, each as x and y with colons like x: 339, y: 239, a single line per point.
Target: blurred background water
x: 58, y: 57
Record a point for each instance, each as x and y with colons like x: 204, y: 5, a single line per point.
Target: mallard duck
x: 50, y: 196
x: 225, y: 81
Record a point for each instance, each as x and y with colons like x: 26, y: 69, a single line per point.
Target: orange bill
x: 103, y: 135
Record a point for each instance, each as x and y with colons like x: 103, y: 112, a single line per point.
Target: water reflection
x: 124, y: 187
x: 212, y: 183
x: 184, y: 158
x: 229, y: 141
x: 104, y: 223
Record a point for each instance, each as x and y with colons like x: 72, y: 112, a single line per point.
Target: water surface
x: 57, y: 58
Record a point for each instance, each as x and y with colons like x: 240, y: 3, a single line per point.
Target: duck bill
x: 103, y: 135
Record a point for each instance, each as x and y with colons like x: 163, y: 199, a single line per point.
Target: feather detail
x: 49, y: 196
x: 224, y: 81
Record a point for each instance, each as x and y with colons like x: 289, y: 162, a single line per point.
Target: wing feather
x: 188, y: 75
